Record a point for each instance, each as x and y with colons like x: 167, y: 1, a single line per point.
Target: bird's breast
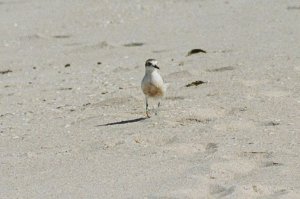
x: 152, y: 90
x: 153, y: 85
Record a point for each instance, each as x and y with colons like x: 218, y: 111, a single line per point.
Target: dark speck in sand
x: 87, y: 104
x: 67, y: 65
x: 65, y: 89
x: 62, y: 36
x: 221, y: 69
x: 134, y: 44
x: 194, y: 51
x: 2, y: 72
x: 293, y: 7
x: 195, y: 83
x: 272, y: 123
x: 271, y: 163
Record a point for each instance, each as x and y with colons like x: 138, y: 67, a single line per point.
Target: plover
x: 152, y: 84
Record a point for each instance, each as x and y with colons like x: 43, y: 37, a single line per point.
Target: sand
x: 72, y: 112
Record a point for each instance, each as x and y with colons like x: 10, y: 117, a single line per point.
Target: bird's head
x: 151, y: 65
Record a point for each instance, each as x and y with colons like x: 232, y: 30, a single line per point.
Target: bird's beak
x: 156, y: 67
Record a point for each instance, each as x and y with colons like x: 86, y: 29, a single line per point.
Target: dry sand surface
x: 72, y: 111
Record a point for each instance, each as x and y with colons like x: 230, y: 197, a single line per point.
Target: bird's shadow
x: 123, y: 122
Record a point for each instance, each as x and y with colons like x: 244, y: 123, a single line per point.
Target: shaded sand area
x: 72, y: 112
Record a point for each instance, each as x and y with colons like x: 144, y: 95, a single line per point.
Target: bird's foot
x: 148, y: 114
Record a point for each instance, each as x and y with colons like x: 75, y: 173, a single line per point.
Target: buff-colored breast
x: 152, y: 90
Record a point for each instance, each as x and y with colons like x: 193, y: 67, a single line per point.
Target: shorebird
x: 152, y: 84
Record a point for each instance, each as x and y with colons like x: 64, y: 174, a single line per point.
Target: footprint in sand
x: 230, y: 169
x: 114, y: 101
x: 276, y: 93
x: 256, y: 155
x: 186, y: 149
x: 211, y: 148
x: 235, y: 126
x: 170, y: 144
x: 200, y: 116
x: 179, y: 75
x: 219, y: 191
x: 259, y: 191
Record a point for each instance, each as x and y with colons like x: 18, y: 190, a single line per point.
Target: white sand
x: 235, y: 137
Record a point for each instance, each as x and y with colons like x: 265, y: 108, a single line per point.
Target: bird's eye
x: 148, y: 64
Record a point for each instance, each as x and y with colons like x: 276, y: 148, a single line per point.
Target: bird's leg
x: 147, y: 108
x: 158, y: 105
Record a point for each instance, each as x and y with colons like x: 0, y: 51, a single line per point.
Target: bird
x: 152, y: 84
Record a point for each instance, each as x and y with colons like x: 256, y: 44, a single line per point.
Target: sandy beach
x: 72, y: 113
